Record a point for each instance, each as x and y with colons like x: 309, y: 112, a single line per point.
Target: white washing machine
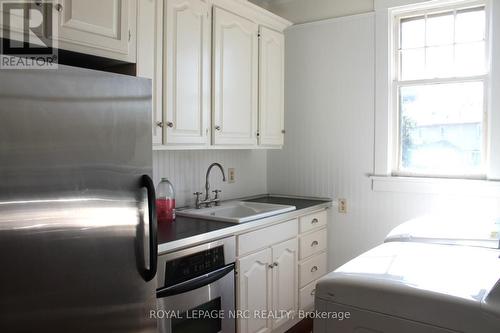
x: 410, y: 284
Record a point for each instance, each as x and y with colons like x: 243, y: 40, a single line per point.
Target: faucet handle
x: 216, y: 197
x: 197, y: 199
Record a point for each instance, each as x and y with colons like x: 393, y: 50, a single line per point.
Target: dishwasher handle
x: 195, y: 283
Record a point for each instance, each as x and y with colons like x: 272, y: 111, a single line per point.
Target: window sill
x: 486, y: 188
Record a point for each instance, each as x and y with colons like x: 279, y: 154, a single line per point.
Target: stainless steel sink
x: 237, y: 211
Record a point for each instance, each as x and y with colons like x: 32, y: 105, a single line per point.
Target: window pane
x: 441, y: 128
x: 413, y: 64
x: 412, y: 33
x: 470, y: 26
x: 439, y: 61
x: 440, y: 29
x: 470, y: 59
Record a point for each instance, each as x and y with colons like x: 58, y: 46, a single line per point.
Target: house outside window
x: 439, y: 91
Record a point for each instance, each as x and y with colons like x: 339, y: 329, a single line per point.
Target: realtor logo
x: 27, y: 35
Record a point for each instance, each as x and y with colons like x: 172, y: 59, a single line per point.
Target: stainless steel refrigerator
x: 78, y: 244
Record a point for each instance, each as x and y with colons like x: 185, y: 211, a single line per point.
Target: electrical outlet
x: 342, y: 206
x: 231, y: 175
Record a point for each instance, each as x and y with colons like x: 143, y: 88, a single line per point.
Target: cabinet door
x: 187, y: 71
x: 254, y: 290
x: 100, y: 27
x: 149, y: 57
x: 271, y: 87
x: 285, y: 279
x: 235, y: 79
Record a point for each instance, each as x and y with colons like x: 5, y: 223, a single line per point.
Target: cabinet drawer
x: 312, y: 243
x: 313, y: 221
x: 266, y: 237
x: 312, y: 269
x: 306, y: 296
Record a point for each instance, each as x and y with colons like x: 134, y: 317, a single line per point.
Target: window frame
x: 396, y: 83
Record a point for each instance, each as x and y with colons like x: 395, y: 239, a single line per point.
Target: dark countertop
x: 185, y: 227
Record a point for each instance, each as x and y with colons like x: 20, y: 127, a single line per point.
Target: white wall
x: 329, y: 145
x: 299, y: 11
x: 187, y: 169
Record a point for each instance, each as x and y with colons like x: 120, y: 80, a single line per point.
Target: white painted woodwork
x: 285, y: 279
x: 312, y: 269
x: 235, y: 78
x: 99, y: 27
x: 312, y: 243
x: 271, y: 87
x: 306, y: 296
x: 255, y: 290
x: 149, y: 57
x: 187, y: 48
x: 265, y: 237
x: 312, y: 221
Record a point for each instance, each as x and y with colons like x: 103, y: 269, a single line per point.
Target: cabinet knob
x: 315, y: 243
x: 283, y: 131
x: 270, y: 266
x: 314, y: 221
x: 59, y: 7
x: 170, y: 124
x: 275, y: 264
x: 314, y: 269
x: 159, y: 123
x: 217, y: 128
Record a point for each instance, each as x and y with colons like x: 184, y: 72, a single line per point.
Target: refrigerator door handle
x: 150, y: 272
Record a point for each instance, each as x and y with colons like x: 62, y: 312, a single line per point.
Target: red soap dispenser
x: 165, y: 201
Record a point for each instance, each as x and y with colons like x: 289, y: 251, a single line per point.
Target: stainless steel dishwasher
x: 196, y: 289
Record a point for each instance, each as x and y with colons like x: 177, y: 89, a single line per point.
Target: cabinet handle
x: 314, y: 221
x: 217, y: 128
x: 170, y: 124
x: 159, y: 124
x: 314, y: 269
x: 271, y: 266
x: 315, y: 243
x: 283, y: 131
x: 275, y: 264
x: 313, y: 292
x: 59, y: 7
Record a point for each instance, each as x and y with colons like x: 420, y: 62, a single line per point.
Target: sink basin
x: 237, y: 211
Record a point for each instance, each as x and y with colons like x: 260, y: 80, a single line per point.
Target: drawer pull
x: 314, y: 221
x: 314, y: 269
x: 313, y: 292
x: 314, y: 244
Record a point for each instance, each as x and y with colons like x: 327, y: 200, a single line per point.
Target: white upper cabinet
x: 235, y: 91
x: 150, y: 57
x: 100, y: 27
x: 187, y: 48
x: 271, y: 87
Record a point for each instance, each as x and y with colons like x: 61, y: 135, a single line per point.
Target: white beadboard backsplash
x: 329, y: 147
x: 186, y: 170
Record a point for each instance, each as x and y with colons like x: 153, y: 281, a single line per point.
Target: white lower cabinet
x: 255, y: 290
x: 277, y: 270
x: 284, y: 279
x: 268, y: 278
